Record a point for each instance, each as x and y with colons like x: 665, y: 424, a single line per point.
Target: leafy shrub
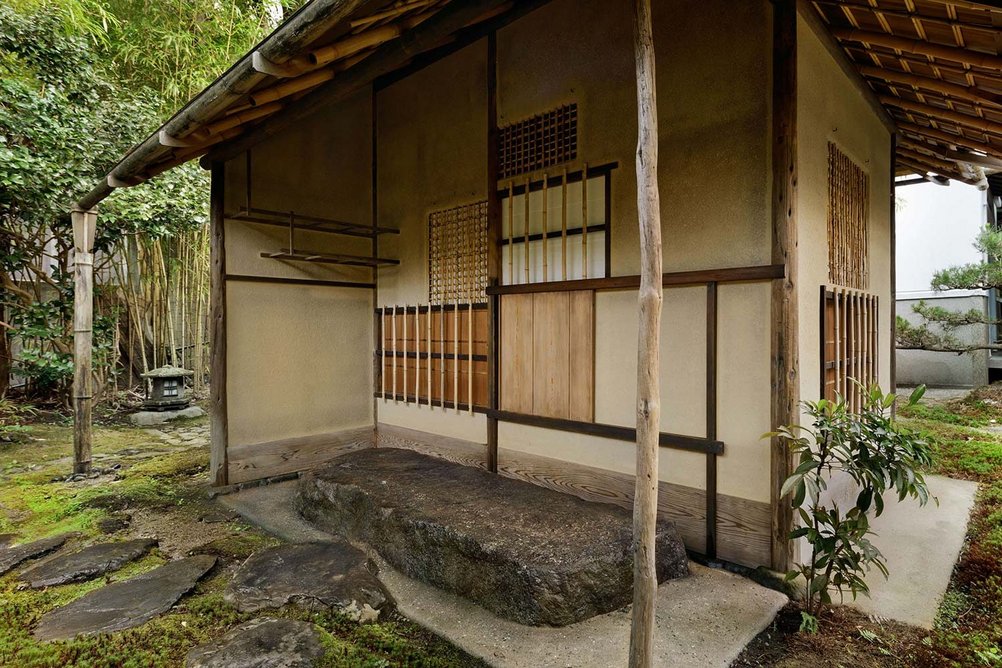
x: 12, y: 417
x: 877, y: 455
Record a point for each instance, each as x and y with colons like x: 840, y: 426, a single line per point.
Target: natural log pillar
x: 784, y: 356
x: 645, y: 504
x: 219, y: 425
x: 84, y: 224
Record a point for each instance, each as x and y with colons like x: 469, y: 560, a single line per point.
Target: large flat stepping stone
x: 261, y: 643
x: 88, y: 563
x: 12, y: 556
x: 530, y: 554
x: 327, y: 575
x: 122, y: 605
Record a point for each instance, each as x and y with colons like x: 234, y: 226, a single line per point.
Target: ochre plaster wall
x: 299, y: 359
x: 832, y: 108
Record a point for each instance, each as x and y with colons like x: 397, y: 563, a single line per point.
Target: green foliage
x: 12, y: 418
x: 877, y: 455
x: 48, y: 370
x: 975, y: 276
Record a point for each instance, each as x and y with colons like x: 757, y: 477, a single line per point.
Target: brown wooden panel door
x: 582, y: 356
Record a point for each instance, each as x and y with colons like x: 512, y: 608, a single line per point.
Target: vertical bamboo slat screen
x: 850, y: 352
x: 559, y: 230
x: 434, y: 355
x: 848, y: 221
x: 539, y: 142
x: 457, y: 254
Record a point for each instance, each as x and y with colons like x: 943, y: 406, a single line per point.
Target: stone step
x: 85, y: 564
x: 261, y: 643
x: 524, y: 552
x: 14, y: 555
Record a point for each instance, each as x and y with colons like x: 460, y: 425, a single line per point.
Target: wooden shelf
x: 328, y: 258
x: 296, y: 221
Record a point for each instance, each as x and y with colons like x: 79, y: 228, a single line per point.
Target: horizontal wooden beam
x: 968, y: 93
x: 949, y: 138
x: 955, y: 53
x: 281, y: 280
x: 678, y: 278
x: 946, y: 153
x: 939, y: 113
x: 616, y: 432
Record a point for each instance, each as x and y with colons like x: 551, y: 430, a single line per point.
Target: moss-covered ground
x: 967, y: 436
x: 163, y: 495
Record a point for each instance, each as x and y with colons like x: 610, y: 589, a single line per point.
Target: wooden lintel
x: 282, y: 280
x: 610, y: 431
x: 669, y: 279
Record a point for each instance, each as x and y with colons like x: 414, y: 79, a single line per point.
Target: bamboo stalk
x: 394, y: 353
x: 563, y: 225
x: 455, y: 354
x: 511, y: 232
x: 584, y: 221
x: 441, y: 337
x: 525, y: 228
x: 383, y: 346
x: 428, y: 326
x: 545, y: 225
x: 406, y: 328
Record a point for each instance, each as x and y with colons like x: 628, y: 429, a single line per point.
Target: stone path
x: 527, y: 553
x: 330, y: 575
x: 261, y: 643
x: 12, y: 556
x: 125, y: 604
x: 85, y: 564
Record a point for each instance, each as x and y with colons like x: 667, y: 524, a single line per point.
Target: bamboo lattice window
x: 849, y: 343
x: 547, y: 139
x: 848, y: 221
x: 457, y: 254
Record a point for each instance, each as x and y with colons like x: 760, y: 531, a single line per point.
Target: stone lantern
x: 167, y: 393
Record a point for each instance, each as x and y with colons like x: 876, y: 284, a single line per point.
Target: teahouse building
x: 424, y: 218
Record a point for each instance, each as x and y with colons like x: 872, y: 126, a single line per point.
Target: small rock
x: 113, y: 524
x: 85, y: 564
x: 261, y: 643
x: 12, y: 556
x: 217, y: 517
x: 331, y: 575
x: 123, y: 605
x: 150, y: 418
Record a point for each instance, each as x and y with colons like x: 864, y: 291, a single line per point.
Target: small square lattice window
x: 457, y: 254
x: 848, y: 221
x: 541, y: 141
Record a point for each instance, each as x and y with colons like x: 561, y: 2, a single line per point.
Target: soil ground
x: 154, y: 483
x: 967, y: 435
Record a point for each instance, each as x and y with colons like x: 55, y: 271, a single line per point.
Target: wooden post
x: 84, y: 225
x: 494, y: 252
x: 784, y: 360
x: 218, y: 458
x: 892, y: 385
x: 645, y: 504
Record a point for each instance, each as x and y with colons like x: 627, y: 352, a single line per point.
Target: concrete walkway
x: 921, y: 546
x: 703, y: 621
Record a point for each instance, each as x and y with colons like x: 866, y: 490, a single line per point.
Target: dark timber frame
x: 784, y: 362
x: 218, y: 464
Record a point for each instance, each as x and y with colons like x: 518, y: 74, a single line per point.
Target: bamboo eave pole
x: 84, y: 228
x: 645, y: 502
x: 921, y: 47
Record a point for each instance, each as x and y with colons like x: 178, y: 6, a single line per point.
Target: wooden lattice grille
x: 457, y: 254
x: 547, y: 139
x: 849, y: 331
x: 848, y: 221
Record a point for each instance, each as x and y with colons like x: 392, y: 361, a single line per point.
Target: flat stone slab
x: 88, y: 563
x: 12, y: 556
x: 527, y: 553
x: 324, y: 574
x: 123, y: 605
x: 265, y: 642
x: 150, y: 418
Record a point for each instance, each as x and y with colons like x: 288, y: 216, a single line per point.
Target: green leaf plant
x: 878, y: 456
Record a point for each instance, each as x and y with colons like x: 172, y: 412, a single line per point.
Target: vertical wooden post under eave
x: 645, y: 503
x: 784, y: 358
x: 892, y: 360
x: 84, y: 225
x: 218, y: 460
x: 493, y: 252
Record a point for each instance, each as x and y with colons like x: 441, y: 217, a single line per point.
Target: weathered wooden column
x: 493, y: 252
x: 219, y: 424
x: 84, y: 225
x: 645, y: 504
x: 784, y: 356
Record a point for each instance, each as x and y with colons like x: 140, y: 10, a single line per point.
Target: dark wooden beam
x: 711, y: 418
x: 668, y: 279
x: 784, y: 357
x: 281, y: 280
x: 616, y: 432
x: 892, y: 325
x: 219, y: 420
